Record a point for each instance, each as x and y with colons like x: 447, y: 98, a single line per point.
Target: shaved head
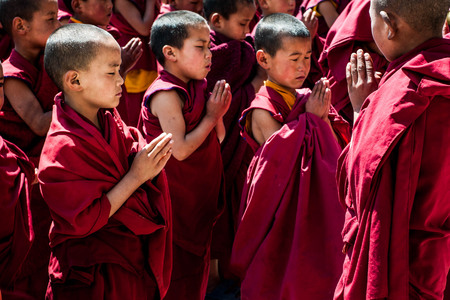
x: 421, y: 15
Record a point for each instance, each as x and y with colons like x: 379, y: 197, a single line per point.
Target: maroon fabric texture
x: 350, y: 32
x: 287, y: 245
x: 12, y: 127
x: 16, y: 229
x: 79, y: 165
x: 234, y: 61
x: 6, y: 46
x: 393, y: 180
x: 195, y: 183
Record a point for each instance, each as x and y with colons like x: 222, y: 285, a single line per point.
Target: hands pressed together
x: 219, y: 101
x: 319, y: 101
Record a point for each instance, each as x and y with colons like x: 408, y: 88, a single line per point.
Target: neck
x: 412, y: 40
x: 174, y: 71
x: 88, y: 112
x: 31, y: 54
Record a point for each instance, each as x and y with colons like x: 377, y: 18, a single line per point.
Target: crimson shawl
x: 393, y: 180
x: 79, y: 165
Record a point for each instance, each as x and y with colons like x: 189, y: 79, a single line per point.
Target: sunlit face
x: 280, y: 6
x: 95, y: 12
x: 191, y: 5
x: 2, y: 82
x: 101, y: 82
x: 237, y: 25
x: 290, y: 64
x: 193, y: 60
x: 43, y: 23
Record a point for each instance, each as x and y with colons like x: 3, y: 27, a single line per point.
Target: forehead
x: 292, y: 43
x: 200, y: 30
x: 244, y: 10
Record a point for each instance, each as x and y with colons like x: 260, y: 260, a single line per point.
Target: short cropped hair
x: 68, y: 4
x: 421, y: 15
x: 225, y: 8
x: 172, y: 29
x: 72, y: 47
x: 10, y: 9
x: 272, y: 29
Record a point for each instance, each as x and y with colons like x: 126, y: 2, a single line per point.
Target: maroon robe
x: 16, y: 229
x: 33, y: 277
x: 393, y: 180
x: 130, y: 106
x: 6, y: 45
x: 126, y: 256
x: 350, y: 32
x: 196, y: 188
x: 287, y: 245
x: 234, y: 61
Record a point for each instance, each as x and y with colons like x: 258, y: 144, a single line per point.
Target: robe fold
x: 33, y: 277
x: 393, y: 180
x: 90, y: 252
x: 350, y: 32
x: 234, y: 61
x: 287, y: 245
x: 195, y: 184
x: 16, y: 229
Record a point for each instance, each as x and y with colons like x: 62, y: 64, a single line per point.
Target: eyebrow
x: 114, y: 65
x: 299, y: 53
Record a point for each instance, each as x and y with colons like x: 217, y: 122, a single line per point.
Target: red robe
x: 393, y: 180
x: 234, y: 61
x: 6, y: 46
x: 90, y: 252
x: 16, y: 229
x: 33, y: 277
x: 196, y: 188
x: 318, y: 41
x: 131, y: 106
x: 287, y: 245
x: 350, y: 32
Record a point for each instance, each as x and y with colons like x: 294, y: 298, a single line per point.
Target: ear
x: 71, y: 81
x: 263, y: 59
x: 76, y: 6
x: 169, y: 53
x: 215, y: 20
x: 391, y: 24
x: 19, y: 25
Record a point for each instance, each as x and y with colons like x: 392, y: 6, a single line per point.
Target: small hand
x: 361, y: 80
x: 219, y: 101
x: 311, y: 21
x: 152, y: 158
x: 131, y: 53
x: 319, y: 101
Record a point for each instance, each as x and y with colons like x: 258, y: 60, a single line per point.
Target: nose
x: 208, y: 53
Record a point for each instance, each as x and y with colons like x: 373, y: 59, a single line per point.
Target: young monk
x: 350, y: 32
x: 111, y: 231
x: 134, y: 19
x: 177, y: 103
x: 287, y: 244
x: 16, y: 229
x: 393, y: 178
x: 26, y: 115
x: 233, y: 59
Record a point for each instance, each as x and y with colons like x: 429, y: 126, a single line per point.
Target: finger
x: 369, y: 68
x: 327, y: 97
x: 150, y: 146
x: 162, y: 146
x: 354, y: 69
x: 361, y: 65
x: 348, y: 74
x: 220, y: 88
x: 315, y: 89
x: 307, y: 15
x: 226, y: 91
x: 214, y: 92
x: 321, y: 90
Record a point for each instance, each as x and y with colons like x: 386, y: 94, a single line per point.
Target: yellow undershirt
x: 288, y: 98
x: 317, y: 11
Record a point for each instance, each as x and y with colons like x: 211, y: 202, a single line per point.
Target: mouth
x: 301, y: 78
x: 208, y: 66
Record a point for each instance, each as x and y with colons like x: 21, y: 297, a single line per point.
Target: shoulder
x: 165, y: 102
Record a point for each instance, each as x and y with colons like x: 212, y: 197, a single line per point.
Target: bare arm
x: 146, y: 165
x: 27, y: 106
x: 220, y: 130
x: 263, y: 125
x: 167, y: 107
x: 141, y: 23
x: 328, y: 11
